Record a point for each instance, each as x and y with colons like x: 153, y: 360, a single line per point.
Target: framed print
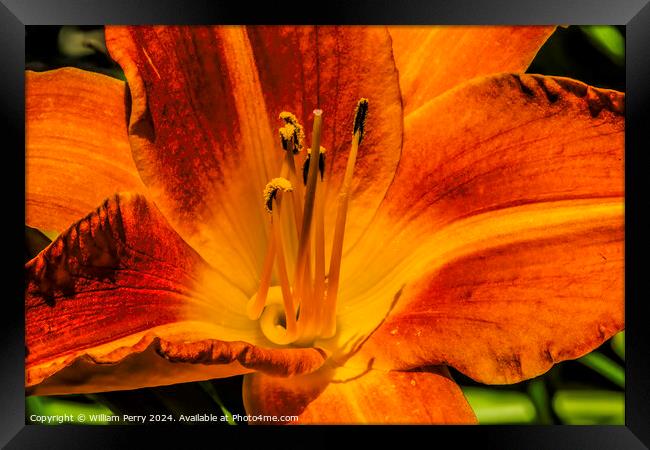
x: 423, y: 219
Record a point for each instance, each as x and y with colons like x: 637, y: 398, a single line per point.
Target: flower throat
x: 303, y: 307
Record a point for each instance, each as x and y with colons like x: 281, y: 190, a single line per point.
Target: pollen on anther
x: 287, y: 133
x: 271, y: 189
x: 292, y: 132
x: 288, y: 117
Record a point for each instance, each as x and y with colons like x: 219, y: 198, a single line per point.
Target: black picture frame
x: 634, y: 14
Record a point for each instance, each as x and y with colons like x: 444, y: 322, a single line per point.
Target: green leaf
x: 76, y: 42
x: 55, y: 411
x: 618, y: 344
x: 608, y: 40
x: 605, y: 366
x: 493, y: 406
x: 212, y: 392
x: 590, y: 407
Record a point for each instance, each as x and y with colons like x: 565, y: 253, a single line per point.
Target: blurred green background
x: 590, y: 390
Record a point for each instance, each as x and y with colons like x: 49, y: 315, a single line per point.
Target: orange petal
x: 431, y: 59
x: 506, y: 160
x: 332, y: 68
x: 508, y: 140
x: 374, y: 397
x: 204, y: 122
x: 77, y: 149
x: 509, y: 312
x: 120, y: 301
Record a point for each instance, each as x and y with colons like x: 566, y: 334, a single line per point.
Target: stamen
x: 300, y: 273
x: 311, y: 325
x: 292, y: 133
x: 291, y: 165
x: 289, y: 170
x: 287, y: 297
x: 319, y: 254
x: 329, y: 322
x: 273, y: 195
x: 316, y: 298
x: 292, y: 137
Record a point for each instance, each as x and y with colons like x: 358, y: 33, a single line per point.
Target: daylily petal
x: 505, y: 312
x: 120, y: 301
x: 532, y: 170
x: 204, y: 122
x: 77, y: 149
x: 503, y: 141
x: 302, y: 68
x: 431, y: 59
x: 374, y: 397
x: 473, y: 159
x: 200, y: 137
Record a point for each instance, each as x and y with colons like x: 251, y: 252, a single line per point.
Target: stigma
x: 302, y: 307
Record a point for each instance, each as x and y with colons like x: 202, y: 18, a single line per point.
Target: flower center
x: 303, y: 306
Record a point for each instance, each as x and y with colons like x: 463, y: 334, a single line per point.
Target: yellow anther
x: 292, y: 134
x: 271, y: 190
x: 288, y: 117
x: 286, y: 133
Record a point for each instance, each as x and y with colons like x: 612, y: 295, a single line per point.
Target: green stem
x: 606, y: 367
x: 618, y: 344
x: 493, y: 406
x: 539, y: 395
x: 590, y: 407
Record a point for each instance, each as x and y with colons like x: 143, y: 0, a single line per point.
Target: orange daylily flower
x: 470, y: 217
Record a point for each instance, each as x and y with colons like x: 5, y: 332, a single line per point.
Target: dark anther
x: 360, y: 117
